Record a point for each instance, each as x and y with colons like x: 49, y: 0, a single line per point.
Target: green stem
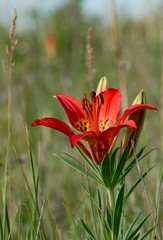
x: 111, y: 198
x: 112, y: 205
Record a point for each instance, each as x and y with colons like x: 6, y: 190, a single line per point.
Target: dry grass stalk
x: 10, y: 52
x: 122, y: 79
x: 89, y: 59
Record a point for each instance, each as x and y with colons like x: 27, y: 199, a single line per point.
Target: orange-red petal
x: 55, y: 124
x: 88, y: 136
x: 73, y: 109
x: 135, y: 108
x: 108, y: 135
x: 110, y: 109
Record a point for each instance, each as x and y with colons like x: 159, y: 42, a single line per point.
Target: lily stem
x: 111, y: 202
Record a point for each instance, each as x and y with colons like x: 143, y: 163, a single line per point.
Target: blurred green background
x: 50, y: 59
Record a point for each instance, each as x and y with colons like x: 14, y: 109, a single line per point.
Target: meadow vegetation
x: 50, y: 59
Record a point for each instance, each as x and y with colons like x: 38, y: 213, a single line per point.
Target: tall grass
x: 38, y: 179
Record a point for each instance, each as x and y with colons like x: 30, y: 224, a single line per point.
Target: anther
x: 92, y: 94
x: 84, y: 101
x: 102, y: 99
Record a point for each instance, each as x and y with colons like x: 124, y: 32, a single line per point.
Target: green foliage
x: 118, y: 212
x: 37, y: 76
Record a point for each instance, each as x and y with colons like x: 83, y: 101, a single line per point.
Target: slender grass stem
x: 5, y: 194
x: 38, y: 228
x: 53, y: 221
x: 122, y: 79
x: 91, y: 204
x: 146, y: 192
x: 10, y: 53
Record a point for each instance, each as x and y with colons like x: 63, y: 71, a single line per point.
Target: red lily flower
x: 98, y: 122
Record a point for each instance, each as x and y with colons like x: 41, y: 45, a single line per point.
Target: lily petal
x: 88, y: 136
x: 111, y: 106
x: 73, y: 108
x: 135, y: 108
x: 55, y: 124
x: 110, y: 133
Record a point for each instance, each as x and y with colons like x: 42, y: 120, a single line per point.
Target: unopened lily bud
x: 102, y: 86
x: 132, y: 136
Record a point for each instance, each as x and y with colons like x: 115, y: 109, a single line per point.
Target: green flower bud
x: 132, y: 136
x: 102, y: 86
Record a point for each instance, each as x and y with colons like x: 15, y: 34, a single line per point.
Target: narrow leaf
x: 138, y: 228
x: 99, y: 199
x: 80, y: 169
x: 89, y: 162
x: 90, y: 234
x: 132, y: 225
x: 113, y: 160
x: 145, y: 235
x: 118, y: 213
x: 132, y: 164
x: 119, y: 168
x: 105, y: 171
x: 1, y: 227
x: 136, y: 237
x: 135, y: 185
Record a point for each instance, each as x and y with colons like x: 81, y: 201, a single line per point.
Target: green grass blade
x: 73, y: 218
x: 136, y: 237
x: 80, y: 169
x: 94, y: 166
x: 146, y: 234
x: 87, y: 230
x: 53, y: 221
x: 119, y: 169
x: 12, y: 225
x: 1, y: 227
x: 139, y: 158
x: 19, y: 225
x: 8, y: 222
x: 99, y: 199
x: 138, y: 227
x: 5, y: 195
x: 82, y: 165
x: 132, y: 164
x: 131, y: 226
x: 135, y: 185
x: 118, y: 213
x: 158, y: 204
x: 105, y: 223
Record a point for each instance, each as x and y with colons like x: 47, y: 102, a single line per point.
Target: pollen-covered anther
x: 102, y: 98
x: 92, y: 94
x: 85, y: 103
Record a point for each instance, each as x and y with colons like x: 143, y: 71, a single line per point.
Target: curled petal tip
x: 36, y: 122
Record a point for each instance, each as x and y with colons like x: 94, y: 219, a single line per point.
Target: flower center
x: 92, y: 109
x: 105, y: 124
